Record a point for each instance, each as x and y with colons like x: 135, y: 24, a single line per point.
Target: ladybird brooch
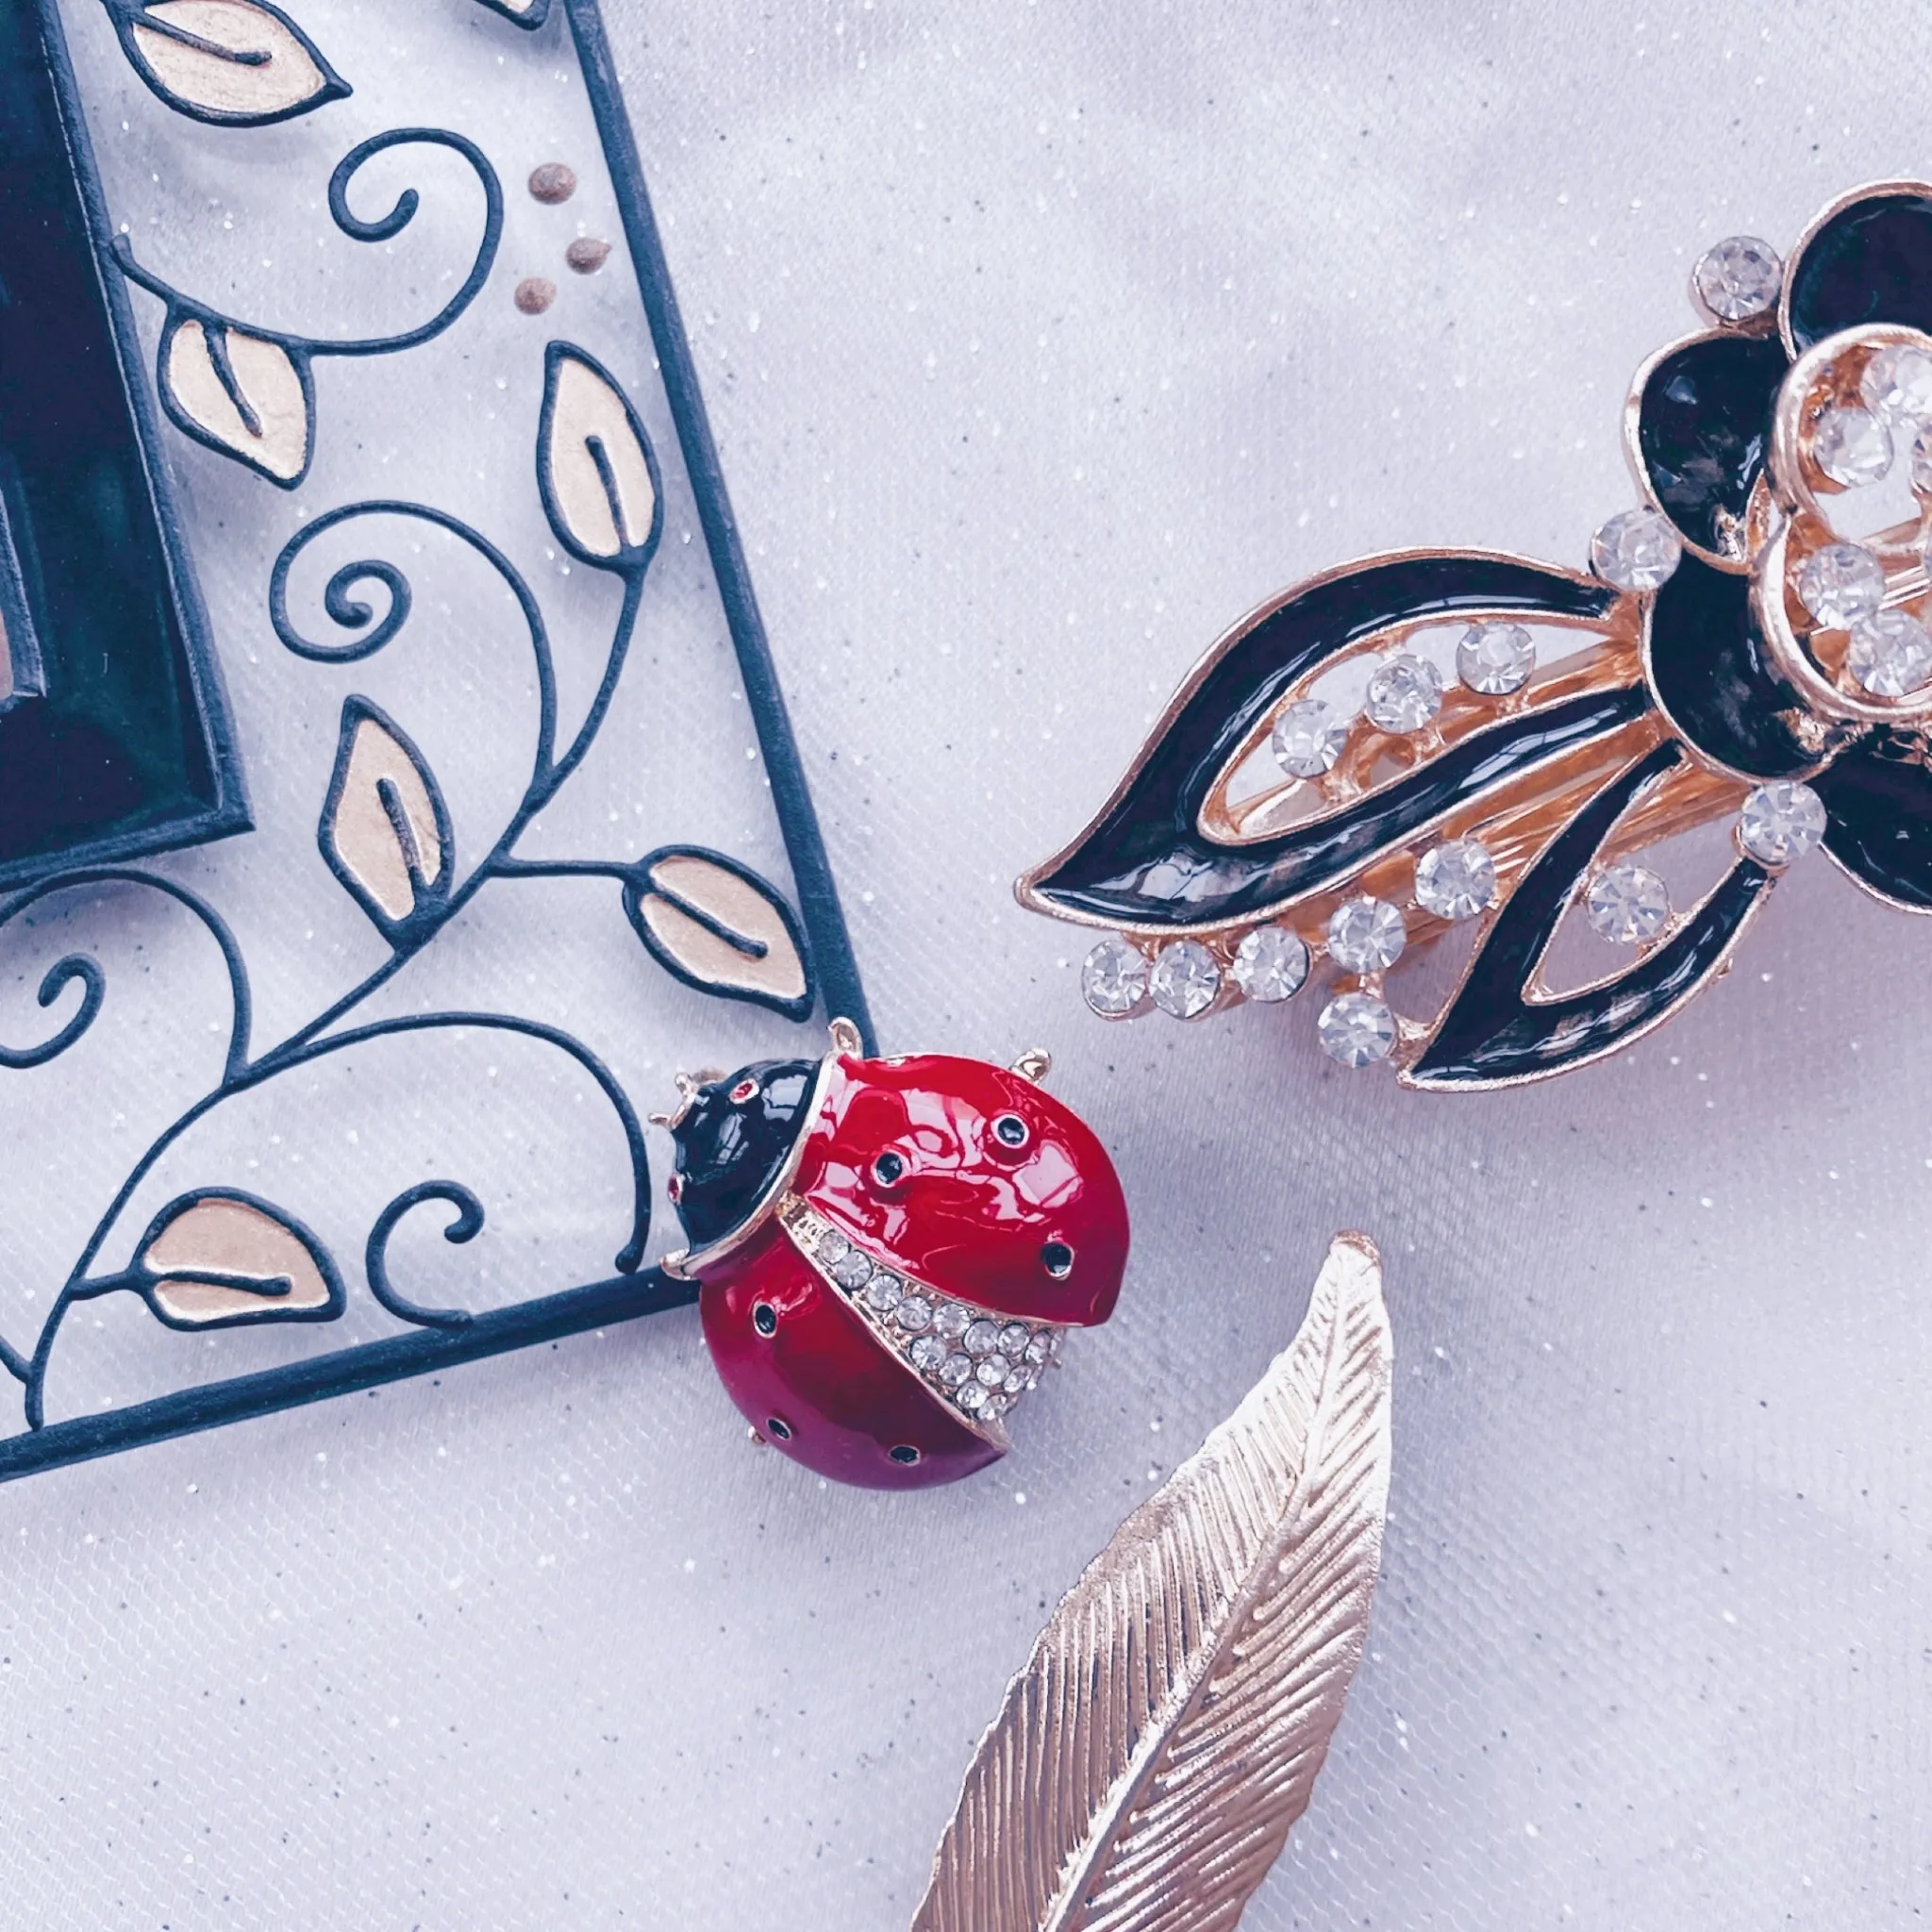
x: 889, y: 1253
x: 1437, y: 740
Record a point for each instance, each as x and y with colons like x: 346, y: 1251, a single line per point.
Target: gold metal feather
x: 1166, y: 1733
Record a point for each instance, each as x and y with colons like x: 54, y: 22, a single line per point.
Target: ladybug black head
x: 733, y: 1137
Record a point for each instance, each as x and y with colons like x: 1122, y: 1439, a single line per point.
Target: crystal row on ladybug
x: 979, y: 1361
x: 1440, y: 738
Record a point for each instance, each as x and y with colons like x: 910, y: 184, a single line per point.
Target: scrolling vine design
x: 218, y: 1256
x: 249, y: 391
x: 386, y: 835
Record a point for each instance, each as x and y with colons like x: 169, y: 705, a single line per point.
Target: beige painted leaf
x: 385, y: 831
x: 263, y: 418
x: 1149, y: 1760
x: 229, y: 60
x: 222, y: 1257
x: 719, y: 928
x: 593, y: 462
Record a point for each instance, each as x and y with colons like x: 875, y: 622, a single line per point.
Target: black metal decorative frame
x: 217, y: 1256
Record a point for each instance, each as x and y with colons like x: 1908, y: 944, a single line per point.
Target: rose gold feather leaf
x: 1167, y: 1731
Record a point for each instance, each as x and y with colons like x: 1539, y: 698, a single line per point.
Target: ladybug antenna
x: 846, y: 1037
x: 688, y: 1086
x: 1034, y: 1064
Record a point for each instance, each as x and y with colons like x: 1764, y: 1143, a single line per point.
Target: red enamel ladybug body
x: 888, y: 1251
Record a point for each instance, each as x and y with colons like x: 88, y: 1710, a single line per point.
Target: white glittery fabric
x: 1041, y: 340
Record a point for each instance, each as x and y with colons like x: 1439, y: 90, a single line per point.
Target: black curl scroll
x: 467, y: 1224
x: 59, y: 976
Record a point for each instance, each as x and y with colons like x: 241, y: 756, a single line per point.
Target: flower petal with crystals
x: 1713, y: 677
x: 1870, y: 260
x: 1879, y: 798
x: 1702, y: 426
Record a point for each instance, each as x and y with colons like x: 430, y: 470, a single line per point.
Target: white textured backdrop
x: 1041, y: 341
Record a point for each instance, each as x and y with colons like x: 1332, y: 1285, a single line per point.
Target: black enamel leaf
x: 1714, y: 677
x: 1491, y: 1034
x: 1703, y: 424
x: 1878, y: 797
x: 1147, y: 864
x: 1872, y: 261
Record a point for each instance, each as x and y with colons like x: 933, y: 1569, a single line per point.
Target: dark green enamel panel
x: 115, y: 739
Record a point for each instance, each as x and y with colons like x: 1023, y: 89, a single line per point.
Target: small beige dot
x: 553, y: 182
x: 535, y: 293
x: 586, y: 254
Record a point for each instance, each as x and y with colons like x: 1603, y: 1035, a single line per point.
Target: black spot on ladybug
x: 776, y: 1425
x: 1010, y: 1130
x: 1056, y: 1258
x: 904, y: 1453
x: 765, y: 1318
x: 888, y: 1168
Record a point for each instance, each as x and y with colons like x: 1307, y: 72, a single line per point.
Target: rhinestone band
x: 978, y: 1362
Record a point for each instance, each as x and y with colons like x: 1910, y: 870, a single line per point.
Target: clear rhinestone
x: 1020, y: 1379
x: 1039, y: 1348
x: 1890, y: 654
x: 927, y: 1353
x: 1366, y: 935
x: 1627, y: 904
x: 971, y: 1397
x: 1781, y: 821
x: 1356, y: 1028
x: 1307, y: 738
x: 1113, y: 978
x: 954, y: 1370
x: 1636, y: 551
x: 1456, y: 880
x: 852, y: 1269
x: 1851, y: 447
x: 1922, y: 462
x: 992, y: 1372
x: 884, y: 1291
x: 1055, y: 1342
x: 1841, y: 584
x: 1404, y: 694
x: 1897, y: 382
x: 1495, y: 658
x: 1013, y: 1339
x: 983, y: 1337
x: 831, y: 1247
x: 950, y: 1321
x: 1185, y: 979
x: 994, y: 1407
x: 1737, y: 280
x: 1269, y: 963
x: 914, y: 1313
